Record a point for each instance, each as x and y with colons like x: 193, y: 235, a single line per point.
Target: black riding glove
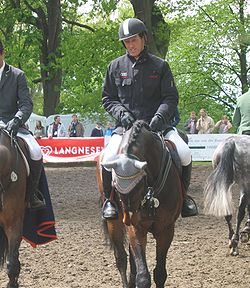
x: 156, y: 123
x: 127, y: 120
x: 13, y: 125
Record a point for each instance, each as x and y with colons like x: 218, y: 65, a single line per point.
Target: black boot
x: 109, y: 209
x: 189, y: 207
x: 36, y: 200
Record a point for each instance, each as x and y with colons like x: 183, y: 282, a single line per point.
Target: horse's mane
x: 136, y: 129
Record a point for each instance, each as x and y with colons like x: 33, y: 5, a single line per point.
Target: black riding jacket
x: 143, y: 87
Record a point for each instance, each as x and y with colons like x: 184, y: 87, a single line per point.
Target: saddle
x: 174, y: 154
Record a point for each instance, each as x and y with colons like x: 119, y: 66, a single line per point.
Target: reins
x: 164, y: 170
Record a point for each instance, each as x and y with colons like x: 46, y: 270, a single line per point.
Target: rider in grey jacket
x: 140, y: 86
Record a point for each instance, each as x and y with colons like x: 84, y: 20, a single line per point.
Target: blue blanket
x: 39, y: 226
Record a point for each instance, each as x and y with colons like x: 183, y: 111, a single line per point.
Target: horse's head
x: 134, y: 166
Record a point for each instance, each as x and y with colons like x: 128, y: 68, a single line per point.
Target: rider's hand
x: 13, y: 125
x: 156, y: 123
x: 127, y: 120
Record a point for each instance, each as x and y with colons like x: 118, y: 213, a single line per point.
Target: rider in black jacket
x: 140, y: 86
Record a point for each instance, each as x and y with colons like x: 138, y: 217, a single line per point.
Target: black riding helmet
x: 131, y: 27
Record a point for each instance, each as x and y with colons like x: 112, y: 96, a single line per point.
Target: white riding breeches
x: 34, y: 147
x: 110, y: 151
x: 183, y: 150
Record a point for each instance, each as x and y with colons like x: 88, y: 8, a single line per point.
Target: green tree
x: 39, y: 24
x: 208, y: 53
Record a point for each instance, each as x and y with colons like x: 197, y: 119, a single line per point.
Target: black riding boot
x: 189, y: 207
x: 109, y: 209
x: 36, y: 200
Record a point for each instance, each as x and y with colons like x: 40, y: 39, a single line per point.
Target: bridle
x: 151, y: 192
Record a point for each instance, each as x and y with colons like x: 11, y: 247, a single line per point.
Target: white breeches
x: 110, y: 151
x: 182, y: 148
x: 34, y: 148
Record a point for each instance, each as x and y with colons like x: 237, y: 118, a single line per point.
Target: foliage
x: 85, y: 59
x: 206, y: 52
x: 205, y: 57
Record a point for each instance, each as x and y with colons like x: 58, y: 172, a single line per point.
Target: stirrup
x: 189, y: 207
x: 109, y: 210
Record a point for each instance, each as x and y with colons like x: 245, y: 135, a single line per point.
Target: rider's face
x: 134, y: 45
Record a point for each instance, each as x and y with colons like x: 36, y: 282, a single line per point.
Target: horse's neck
x: 155, y: 155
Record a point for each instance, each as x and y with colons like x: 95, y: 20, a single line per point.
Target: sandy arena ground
x: 198, y: 258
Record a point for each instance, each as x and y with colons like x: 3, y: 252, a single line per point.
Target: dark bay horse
x: 13, y: 175
x: 148, y: 190
x: 231, y: 162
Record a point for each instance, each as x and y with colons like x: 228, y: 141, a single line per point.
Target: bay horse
x: 231, y: 163
x: 13, y: 181
x: 148, y: 191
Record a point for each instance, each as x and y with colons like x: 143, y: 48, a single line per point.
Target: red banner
x: 72, y: 149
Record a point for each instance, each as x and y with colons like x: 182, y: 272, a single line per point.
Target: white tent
x: 32, y: 121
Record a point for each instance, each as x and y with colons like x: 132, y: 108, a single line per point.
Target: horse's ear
x: 140, y: 164
x: 111, y: 164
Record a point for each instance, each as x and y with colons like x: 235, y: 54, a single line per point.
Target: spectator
x: 176, y: 119
x: 76, y: 128
x: 205, y: 124
x: 109, y: 129
x: 223, y: 125
x: 190, y: 124
x: 108, y: 133
x: 56, y: 129
x: 241, y: 117
x: 39, y: 131
x: 97, y: 131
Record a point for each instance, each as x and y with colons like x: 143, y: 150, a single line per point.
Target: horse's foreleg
x: 13, y: 263
x: 121, y: 262
x: 116, y: 232
x: 132, y: 276
x: 240, y: 216
x: 163, y: 242
x: 137, y: 241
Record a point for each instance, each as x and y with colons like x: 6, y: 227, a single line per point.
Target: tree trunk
x: 158, y: 30
x: 50, y: 70
x: 244, y: 41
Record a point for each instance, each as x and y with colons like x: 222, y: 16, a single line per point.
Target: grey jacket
x: 143, y: 87
x: 15, y: 98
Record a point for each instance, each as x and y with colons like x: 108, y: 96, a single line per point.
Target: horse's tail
x: 218, y: 187
x: 3, y: 247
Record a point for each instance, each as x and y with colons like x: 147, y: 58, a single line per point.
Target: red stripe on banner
x: 74, y: 149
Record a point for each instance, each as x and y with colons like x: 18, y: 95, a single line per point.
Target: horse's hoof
x: 244, y: 237
x: 234, y: 252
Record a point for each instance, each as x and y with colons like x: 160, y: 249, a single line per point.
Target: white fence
x: 203, y: 145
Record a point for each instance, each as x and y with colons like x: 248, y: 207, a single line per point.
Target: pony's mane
x: 136, y: 129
